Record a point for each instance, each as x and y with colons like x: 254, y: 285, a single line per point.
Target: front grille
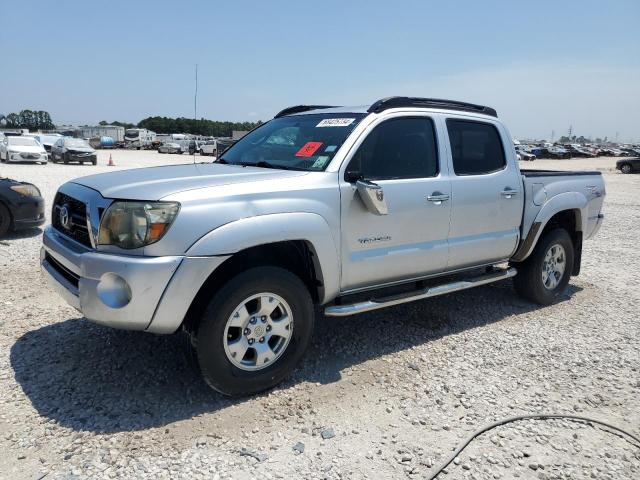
x: 71, y: 277
x: 76, y: 226
x: 29, y: 155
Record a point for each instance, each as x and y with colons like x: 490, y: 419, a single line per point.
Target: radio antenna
x: 195, y: 110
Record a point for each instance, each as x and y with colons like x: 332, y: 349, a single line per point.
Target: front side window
x: 476, y: 147
x: 296, y: 142
x: 398, y: 148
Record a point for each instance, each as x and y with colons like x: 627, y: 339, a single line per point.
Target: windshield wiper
x: 265, y: 164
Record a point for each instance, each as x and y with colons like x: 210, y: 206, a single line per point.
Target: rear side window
x: 396, y: 149
x: 476, y: 147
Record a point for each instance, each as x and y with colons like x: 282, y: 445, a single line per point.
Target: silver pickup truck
x: 352, y: 209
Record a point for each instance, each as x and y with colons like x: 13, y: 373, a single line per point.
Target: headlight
x: 26, y: 190
x: 136, y: 224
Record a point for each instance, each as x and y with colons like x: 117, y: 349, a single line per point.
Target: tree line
x: 31, y: 119
x: 203, y: 126
x: 41, y: 120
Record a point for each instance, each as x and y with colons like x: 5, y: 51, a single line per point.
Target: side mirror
x: 372, y: 196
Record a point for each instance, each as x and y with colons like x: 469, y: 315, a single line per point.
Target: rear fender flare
x: 574, y: 201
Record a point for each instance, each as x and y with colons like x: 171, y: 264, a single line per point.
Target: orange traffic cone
x: 111, y: 164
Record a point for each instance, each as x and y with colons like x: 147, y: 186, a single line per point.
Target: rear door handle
x: 508, y: 193
x: 438, y: 198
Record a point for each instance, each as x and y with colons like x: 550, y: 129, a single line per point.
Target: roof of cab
x: 392, y: 102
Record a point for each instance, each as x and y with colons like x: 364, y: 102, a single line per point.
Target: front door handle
x: 438, y: 197
x: 508, y: 193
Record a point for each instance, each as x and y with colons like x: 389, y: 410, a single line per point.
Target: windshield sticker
x: 331, y: 148
x: 336, y: 122
x: 308, y: 149
x: 320, y: 162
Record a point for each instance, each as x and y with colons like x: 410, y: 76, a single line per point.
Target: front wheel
x: 254, y: 331
x: 626, y: 168
x: 544, y: 276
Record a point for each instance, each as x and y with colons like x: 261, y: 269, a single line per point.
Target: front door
x: 487, y: 196
x: 401, y: 155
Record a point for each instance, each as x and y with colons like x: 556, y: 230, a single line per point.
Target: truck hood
x: 155, y: 183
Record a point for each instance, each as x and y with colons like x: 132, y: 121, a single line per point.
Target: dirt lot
x: 398, y: 388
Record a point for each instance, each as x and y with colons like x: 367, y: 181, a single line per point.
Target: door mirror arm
x: 372, y: 196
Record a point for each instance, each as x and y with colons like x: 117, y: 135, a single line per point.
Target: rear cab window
x: 476, y: 147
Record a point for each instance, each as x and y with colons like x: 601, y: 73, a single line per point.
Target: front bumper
x: 28, y: 213
x: 122, y: 291
x: 74, y: 157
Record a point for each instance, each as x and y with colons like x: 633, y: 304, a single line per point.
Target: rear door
x: 402, y: 155
x: 487, y: 196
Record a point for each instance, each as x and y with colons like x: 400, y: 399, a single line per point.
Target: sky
x: 544, y: 65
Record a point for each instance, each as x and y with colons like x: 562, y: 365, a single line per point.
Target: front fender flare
x: 250, y: 232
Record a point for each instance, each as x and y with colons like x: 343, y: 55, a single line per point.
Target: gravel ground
x: 382, y: 395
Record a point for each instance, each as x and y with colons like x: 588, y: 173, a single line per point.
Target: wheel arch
x: 569, y: 213
x: 299, y: 242
x: 297, y: 256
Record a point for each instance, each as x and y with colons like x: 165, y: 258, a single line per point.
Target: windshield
x: 298, y: 142
x: 76, y: 142
x: 23, y: 141
x: 132, y: 133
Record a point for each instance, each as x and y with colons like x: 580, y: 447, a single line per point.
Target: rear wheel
x: 544, y: 276
x: 254, y: 331
x: 626, y: 168
x: 5, y: 220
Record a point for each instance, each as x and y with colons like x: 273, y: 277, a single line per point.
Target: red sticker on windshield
x: 308, y: 149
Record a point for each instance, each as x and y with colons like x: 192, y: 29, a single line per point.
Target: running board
x: 433, y: 291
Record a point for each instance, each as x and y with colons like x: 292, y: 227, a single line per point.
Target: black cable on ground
x: 534, y: 416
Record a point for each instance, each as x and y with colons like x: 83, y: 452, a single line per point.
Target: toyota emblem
x: 64, y: 217
x: 379, y: 195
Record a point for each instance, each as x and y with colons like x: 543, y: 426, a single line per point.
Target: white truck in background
x: 139, y: 138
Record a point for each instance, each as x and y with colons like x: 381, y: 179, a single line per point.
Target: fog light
x: 114, y: 291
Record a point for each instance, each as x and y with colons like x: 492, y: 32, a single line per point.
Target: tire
x: 247, y: 375
x: 626, y: 168
x: 530, y: 280
x: 5, y: 220
x: 65, y: 159
x: 94, y: 162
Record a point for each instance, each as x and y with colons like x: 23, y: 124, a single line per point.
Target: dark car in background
x: 21, y: 206
x: 558, y: 152
x: 68, y: 149
x: 628, y: 165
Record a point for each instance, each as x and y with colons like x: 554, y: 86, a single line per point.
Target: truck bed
x: 545, y: 187
x: 557, y: 173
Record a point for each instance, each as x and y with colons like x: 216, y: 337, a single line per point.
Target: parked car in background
x: 169, y: 148
x: 47, y: 140
x: 628, y: 165
x: 21, y: 206
x: 525, y: 156
x: 210, y: 147
x: 223, y: 144
x: 558, y: 152
x: 68, y: 149
x: 22, y: 149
